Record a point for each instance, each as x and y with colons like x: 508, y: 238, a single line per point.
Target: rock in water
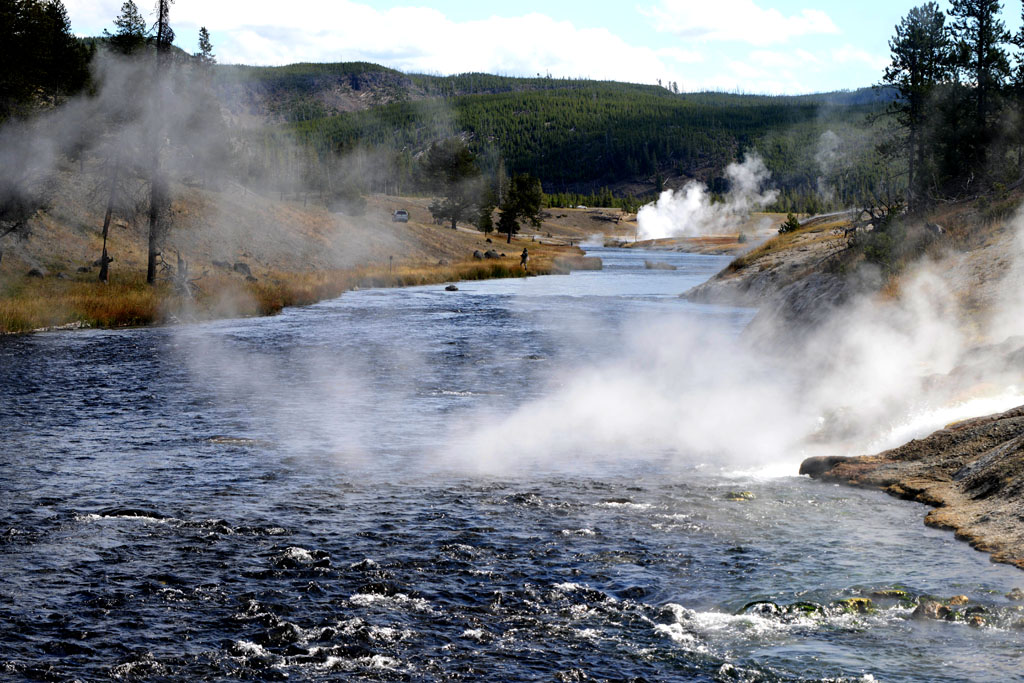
x: 930, y: 609
x: 820, y: 464
x: 451, y: 288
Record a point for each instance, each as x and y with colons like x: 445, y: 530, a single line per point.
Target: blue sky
x: 759, y: 46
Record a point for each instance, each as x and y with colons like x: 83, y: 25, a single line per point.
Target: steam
x: 879, y: 373
x: 691, y: 212
x: 827, y: 157
x: 667, y: 390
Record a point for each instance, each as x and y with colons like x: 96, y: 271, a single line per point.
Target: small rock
x: 222, y: 264
x: 242, y: 268
x: 490, y: 253
x: 930, y: 609
x: 63, y: 276
x: 976, y: 620
x: 451, y: 288
x: 478, y: 254
x: 858, y: 605
x: 739, y: 495
x: 443, y: 262
x: 84, y: 269
x: 1017, y: 595
x: 489, y: 241
x: 35, y: 272
x: 959, y: 600
x: 250, y: 278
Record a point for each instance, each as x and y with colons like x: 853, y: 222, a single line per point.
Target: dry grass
x: 28, y: 304
x: 812, y: 234
x: 300, y: 254
x: 32, y: 303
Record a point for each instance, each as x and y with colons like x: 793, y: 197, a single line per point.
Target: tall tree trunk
x: 158, y: 190
x: 157, y: 205
x: 104, y: 259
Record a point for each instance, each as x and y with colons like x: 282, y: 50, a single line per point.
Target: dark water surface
x: 248, y: 499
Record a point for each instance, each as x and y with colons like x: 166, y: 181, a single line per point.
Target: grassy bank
x: 28, y: 304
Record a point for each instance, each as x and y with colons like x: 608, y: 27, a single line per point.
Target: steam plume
x: 691, y: 212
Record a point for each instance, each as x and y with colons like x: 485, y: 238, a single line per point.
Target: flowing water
x: 269, y: 499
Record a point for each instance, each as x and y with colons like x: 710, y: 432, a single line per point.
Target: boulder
x: 821, y: 464
x: 478, y: 254
x: 242, y: 268
x: 451, y: 288
x: 35, y: 272
x: 490, y: 253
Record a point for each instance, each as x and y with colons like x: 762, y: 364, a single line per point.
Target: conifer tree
x: 159, y: 187
x: 451, y: 171
x: 981, y: 37
x: 523, y: 201
x: 130, y: 34
x: 205, y: 54
x: 920, y: 62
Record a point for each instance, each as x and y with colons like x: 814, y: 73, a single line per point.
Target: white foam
x: 298, y: 554
x: 251, y: 649
x: 398, y: 600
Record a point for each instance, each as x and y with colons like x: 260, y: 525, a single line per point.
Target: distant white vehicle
x: 581, y: 207
x: 400, y: 216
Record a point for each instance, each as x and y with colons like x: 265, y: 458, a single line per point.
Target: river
x: 364, y: 488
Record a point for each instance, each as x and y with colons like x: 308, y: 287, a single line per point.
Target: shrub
x: 790, y: 224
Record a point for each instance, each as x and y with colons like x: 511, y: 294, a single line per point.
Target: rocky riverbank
x: 960, y: 289
x: 971, y: 472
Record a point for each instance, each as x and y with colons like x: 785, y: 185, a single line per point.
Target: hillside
x: 575, y: 135
x: 248, y: 253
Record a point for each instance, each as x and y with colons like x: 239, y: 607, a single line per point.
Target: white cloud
x: 766, y: 59
x: 737, y: 21
x: 413, y: 39
x: 848, y: 54
x: 680, y: 55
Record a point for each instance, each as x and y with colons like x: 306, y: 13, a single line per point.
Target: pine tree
x: 920, y: 62
x: 522, y: 202
x: 205, y: 54
x: 980, y: 37
x: 450, y: 170
x: 130, y: 34
x: 159, y: 187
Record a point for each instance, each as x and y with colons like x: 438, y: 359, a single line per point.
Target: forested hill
x: 575, y: 135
